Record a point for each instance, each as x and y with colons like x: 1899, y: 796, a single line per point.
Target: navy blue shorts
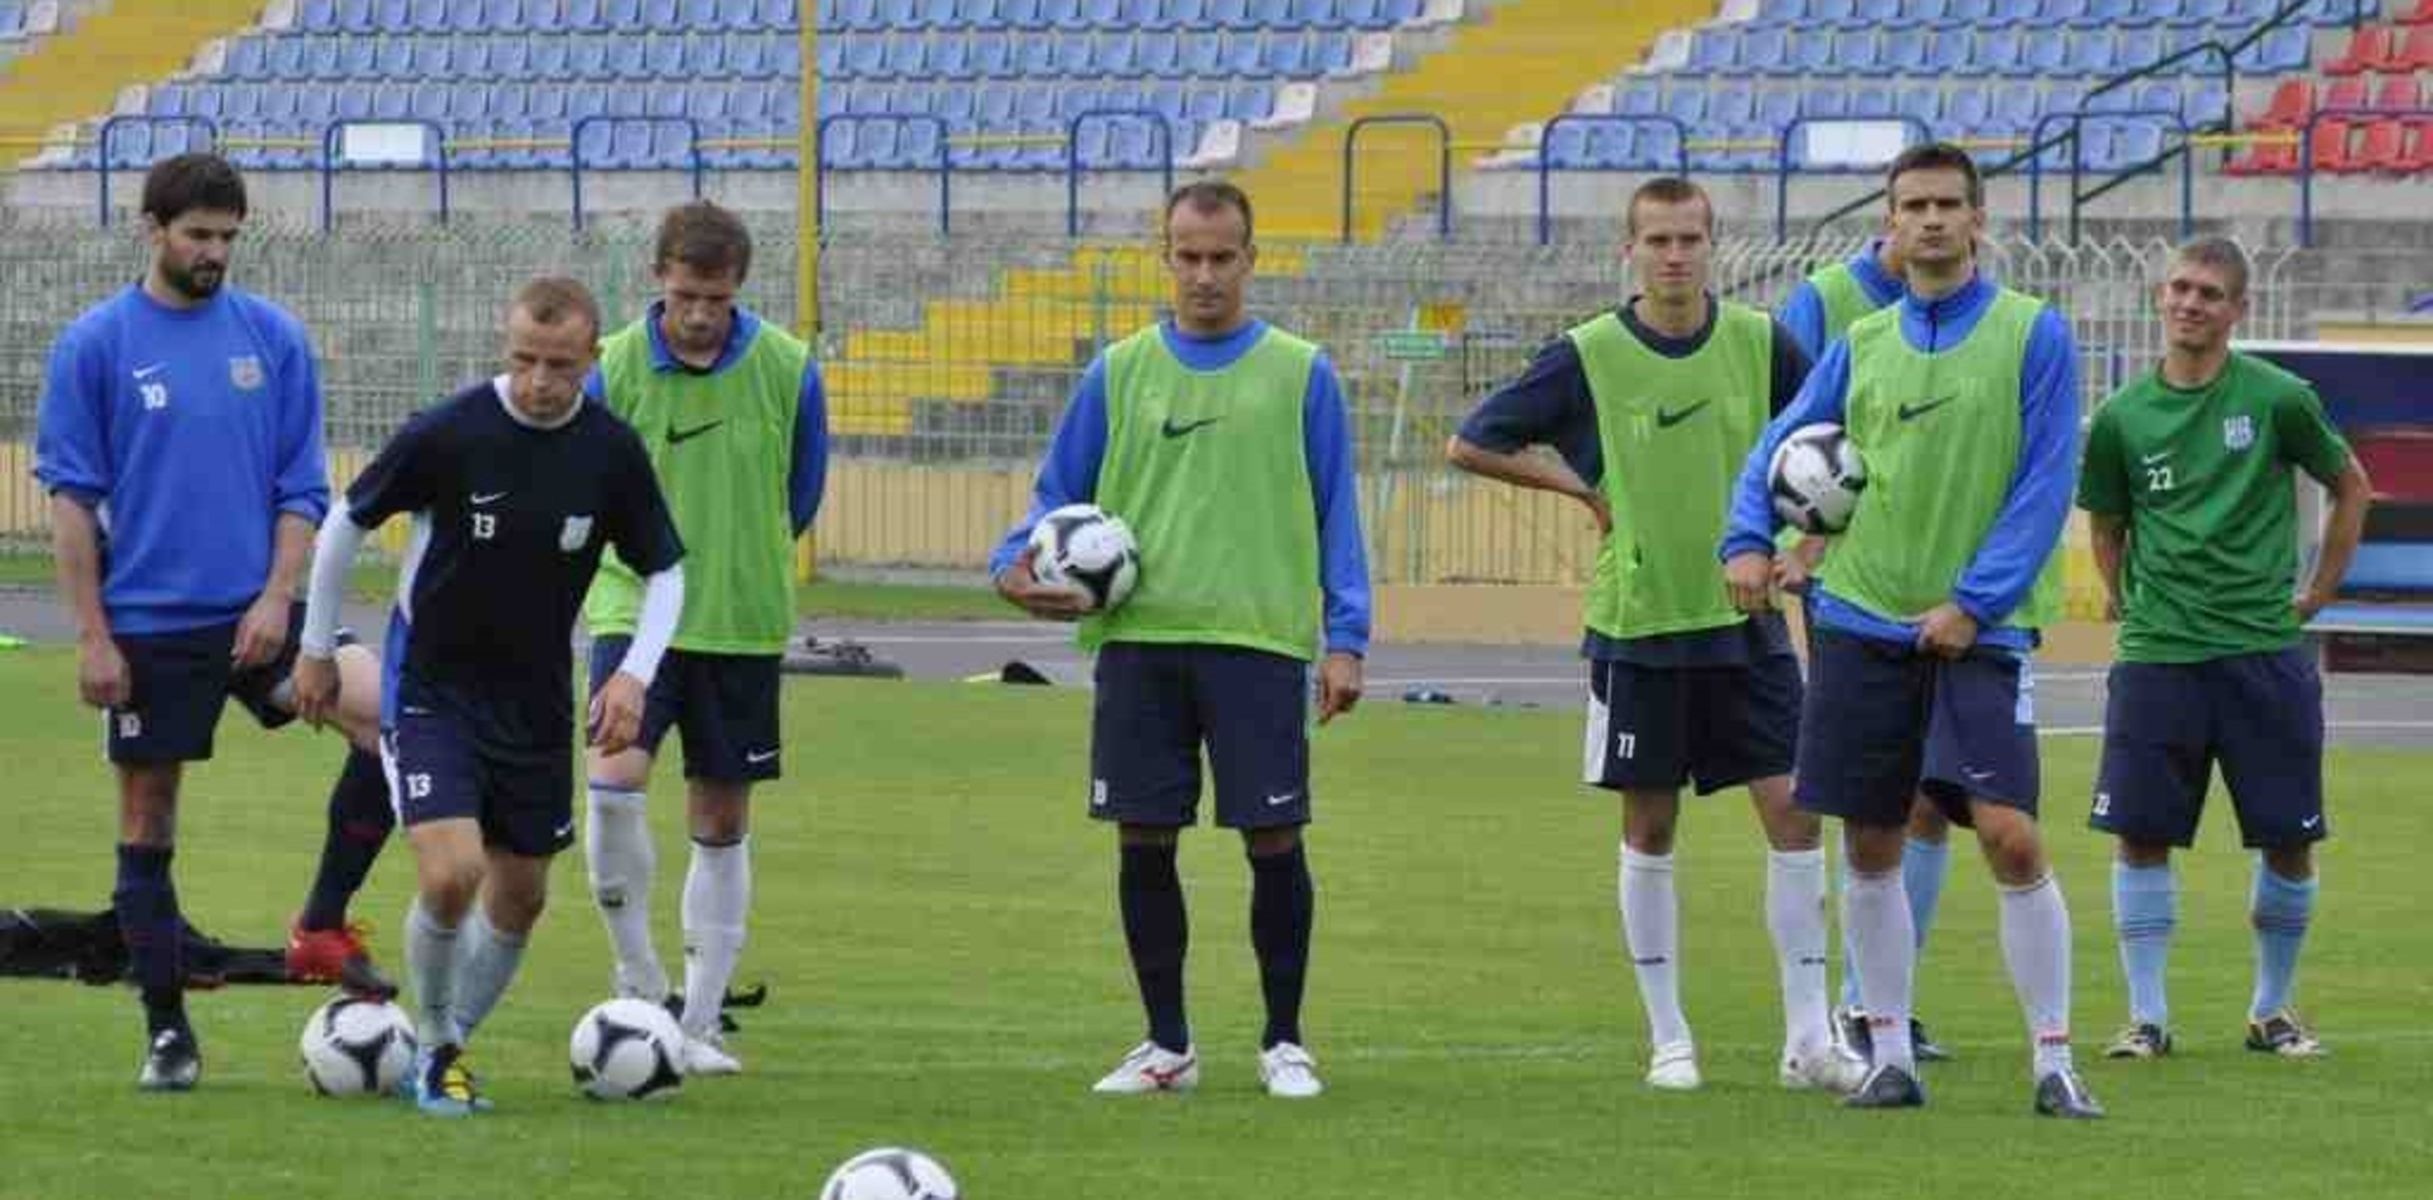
x: 439, y: 769
x: 1885, y: 721
x: 723, y: 705
x: 2166, y: 724
x: 1657, y: 728
x: 179, y: 682
x: 1157, y: 704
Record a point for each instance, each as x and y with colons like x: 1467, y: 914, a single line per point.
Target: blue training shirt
x: 2030, y: 524
x: 1069, y: 473
x: 807, y: 477
x: 188, y: 432
x: 1804, y: 312
x: 509, y: 524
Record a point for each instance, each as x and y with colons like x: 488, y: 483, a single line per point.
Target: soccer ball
x: 1816, y: 479
x: 1084, y: 547
x: 355, y: 1046
x: 626, y: 1049
x: 890, y: 1173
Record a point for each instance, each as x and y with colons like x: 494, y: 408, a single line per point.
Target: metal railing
x: 109, y: 130
x: 1782, y: 159
x: 945, y: 166
x: 1444, y: 164
x: 1681, y: 154
x: 574, y: 150
x: 2076, y: 142
x: 332, y: 161
x: 2306, y: 153
x: 1072, y: 154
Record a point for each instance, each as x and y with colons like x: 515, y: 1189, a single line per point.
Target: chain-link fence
x: 948, y: 360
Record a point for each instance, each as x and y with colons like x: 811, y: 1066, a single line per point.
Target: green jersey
x: 1845, y: 299
x: 1673, y: 433
x: 723, y: 447
x: 2203, y: 477
x: 1209, y: 470
x: 1940, y: 434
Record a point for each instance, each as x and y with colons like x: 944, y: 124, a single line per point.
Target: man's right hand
x: 101, y: 672
x: 1021, y: 587
x: 1749, y: 577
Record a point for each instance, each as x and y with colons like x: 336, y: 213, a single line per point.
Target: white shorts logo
x: 576, y: 534
x: 130, y: 725
x: 1098, y: 793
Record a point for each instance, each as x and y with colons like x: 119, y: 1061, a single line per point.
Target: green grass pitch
x: 934, y: 918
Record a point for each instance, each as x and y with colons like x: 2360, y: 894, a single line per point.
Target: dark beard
x: 186, y: 284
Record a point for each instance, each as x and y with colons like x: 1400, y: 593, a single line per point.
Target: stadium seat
x: 2416, y: 52
x: 2372, y: 49
x: 1966, y: 111
x: 2011, y: 13
x: 428, y: 16
x: 2281, y: 50
x: 2383, y: 147
x: 1922, y: 102
x: 1856, y: 52
x: 2293, y: 100
x: 2333, y: 137
x: 2137, y: 48
x: 1904, y: 51
x: 2345, y: 93
x: 552, y: 58
x: 1714, y: 50
x: 2398, y: 93
x: 1998, y: 52
x: 1814, y: 55
x: 2045, y: 54
x: 1780, y: 14
x: 2092, y: 52
x: 2104, y: 14
x: 1687, y: 105
x: 2199, y: 13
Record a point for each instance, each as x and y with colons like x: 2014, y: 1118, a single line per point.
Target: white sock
x: 2036, y: 947
x: 1651, y: 926
x: 430, y: 952
x: 717, y: 894
x: 1875, y: 917
x: 1795, y: 915
x: 486, y: 961
x: 617, y: 848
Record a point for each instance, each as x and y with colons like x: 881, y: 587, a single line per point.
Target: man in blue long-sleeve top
x: 180, y: 443
x: 1223, y: 442
x: 1962, y: 400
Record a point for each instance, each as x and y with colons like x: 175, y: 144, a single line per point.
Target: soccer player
x: 2188, y: 484
x: 1652, y: 407
x: 180, y: 442
x: 1222, y: 440
x: 1821, y: 309
x: 516, y: 485
x: 1962, y: 401
x: 732, y: 412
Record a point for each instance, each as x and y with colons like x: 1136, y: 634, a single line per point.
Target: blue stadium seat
x: 2200, y: 12
x: 933, y: 14
x: 1904, y: 50
x: 1116, y: 55
x: 390, y: 100
x: 1075, y: 56
x: 469, y: 57
x: 2054, y: 13
x: 1288, y: 56
x: 1245, y: 54
x: 1731, y: 104
x: 1966, y: 111
x: 1656, y: 148
x: 585, y: 100
x: 1166, y: 97
x: 740, y: 16
x: 433, y: 58
x: 2205, y: 104
x: 396, y: 60
x: 950, y: 56
x: 1251, y: 100
x: 1831, y: 14
x: 1230, y: 14
x: 1856, y: 52
x: 2092, y: 52
x: 697, y: 16
x: 318, y: 106
x: 552, y: 58
x: 1187, y: 14
x: 2047, y: 53
x: 2138, y: 48
x: 1876, y: 14
x: 2104, y: 14
x: 1100, y: 14
x: 746, y: 56
x: 705, y: 57
x: 511, y: 16
x: 392, y: 16
x: 246, y: 59
x: 1715, y: 50
x: 168, y: 99
x: 1642, y: 97
x: 428, y: 16
x: 1923, y: 102
x: 1565, y: 147
x: 663, y: 56
x: 786, y: 55
x: 622, y: 16
x: 585, y: 16
x: 1687, y: 105
x: 1159, y: 53
x: 2342, y: 12
x: 1198, y: 55
x: 2154, y: 12
x: 469, y: 99
x: 357, y: 16
x: 1920, y: 14
x: 467, y: 16
x: 1870, y: 99
x: 428, y: 101
x: 664, y: 101
x: 1815, y: 55
x: 1019, y: 14
x: 2011, y: 12
x: 865, y: 56
x: 1966, y: 13
x: 1768, y: 51
x: 751, y: 102
x: 1204, y: 102
x: 320, y: 58
x: 992, y: 55
x: 1948, y: 51
x: 509, y: 101
x: 1781, y: 13
x: 1824, y: 100
x: 1034, y: 55
x: 2283, y: 49
x: 1365, y: 14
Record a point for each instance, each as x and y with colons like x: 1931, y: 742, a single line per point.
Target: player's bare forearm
x: 1519, y: 468
x: 291, y: 553
x: 76, y: 561
x: 2111, y: 544
x: 2352, y: 495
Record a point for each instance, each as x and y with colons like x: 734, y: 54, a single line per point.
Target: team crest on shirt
x: 2238, y: 433
x: 576, y: 534
x: 245, y: 373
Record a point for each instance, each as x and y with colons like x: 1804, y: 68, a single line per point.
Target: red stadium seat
x: 2396, y: 93
x: 2332, y: 138
x: 2372, y: 47
x: 2292, y: 102
x: 2417, y: 157
x: 2346, y: 93
x: 2422, y: 14
x: 2382, y: 147
x: 2417, y: 53
x: 2266, y: 158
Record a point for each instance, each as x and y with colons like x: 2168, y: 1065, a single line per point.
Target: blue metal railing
x: 333, y: 132
x: 2076, y: 141
x: 1681, y: 154
x: 574, y: 150
x: 2306, y: 154
x: 1782, y: 158
x: 1444, y: 165
x: 1072, y: 154
x: 109, y: 130
x: 946, y: 166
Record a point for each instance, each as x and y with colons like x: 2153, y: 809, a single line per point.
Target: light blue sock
x: 2145, y: 910
x: 2281, y: 911
x: 1923, y: 866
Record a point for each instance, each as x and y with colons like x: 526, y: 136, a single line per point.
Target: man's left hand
x: 1948, y: 631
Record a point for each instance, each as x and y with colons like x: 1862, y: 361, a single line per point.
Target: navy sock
x: 148, y: 921
x: 359, y: 822
x: 1158, y: 932
x: 1282, y: 904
